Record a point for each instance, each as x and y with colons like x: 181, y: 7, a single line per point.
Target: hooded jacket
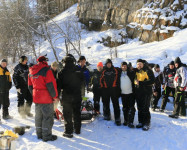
x: 158, y: 80
x: 42, y: 83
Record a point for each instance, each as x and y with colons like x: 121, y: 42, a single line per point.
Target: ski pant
x: 143, y: 104
x: 107, y: 94
x: 167, y: 91
x: 25, y: 95
x: 44, y: 120
x: 97, y: 95
x: 128, y: 101
x: 179, y: 102
x: 72, y: 112
x: 155, y: 99
x: 4, y: 103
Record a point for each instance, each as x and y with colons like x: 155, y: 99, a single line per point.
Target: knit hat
x: 100, y: 64
x: 156, y: 66
x: 4, y: 60
x: 123, y: 63
x: 140, y: 60
x: 178, y: 61
x: 81, y: 58
x: 108, y: 61
x: 171, y: 63
x: 54, y: 64
x: 42, y: 58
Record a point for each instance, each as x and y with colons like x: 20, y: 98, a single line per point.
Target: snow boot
x: 108, y: 118
x: 174, y: 116
x: 161, y: 110
x: 28, y: 110
x: 67, y: 135
x: 21, y: 111
x: 118, y: 122
x: 146, y: 127
x: 6, y: 115
x: 53, y: 138
x: 140, y: 125
x: 130, y: 125
x: 125, y: 123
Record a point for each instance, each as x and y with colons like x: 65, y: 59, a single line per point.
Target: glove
x: 19, y: 91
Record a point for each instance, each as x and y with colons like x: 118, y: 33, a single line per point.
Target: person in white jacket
x: 180, y: 82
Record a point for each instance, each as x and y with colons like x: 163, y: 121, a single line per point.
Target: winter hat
x: 81, y: 58
x: 140, y: 60
x: 54, y: 64
x: 100, y: 64
x: 108, y: 61
x: 171, y: 63
x: 69, y: 59
x: 178, y: 61
x: 22, y: 58
x: 156, y: 66
x: 42, y: 58
x: 4, y: 60
x: 123, y: 63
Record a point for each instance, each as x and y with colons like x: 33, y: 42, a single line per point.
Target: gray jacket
x: 180, y: 79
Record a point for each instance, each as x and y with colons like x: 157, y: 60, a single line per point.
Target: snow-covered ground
x: 165, y: 133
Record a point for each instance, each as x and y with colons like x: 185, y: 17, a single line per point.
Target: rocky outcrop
x: 148, y: 20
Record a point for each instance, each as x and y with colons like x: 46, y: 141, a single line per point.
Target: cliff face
x: 148, y: 20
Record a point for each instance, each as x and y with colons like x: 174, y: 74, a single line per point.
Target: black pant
x: 167, y: 91
x: 97, y: 95
x: 5, y: 102
x: 143, y: 104
x: 155, y: 99
x: 179, y: 102
x: 71, y: 110
x: 129, y: 110
x: 44, y: 120
x: 112, y: 93
x: 25, y: 94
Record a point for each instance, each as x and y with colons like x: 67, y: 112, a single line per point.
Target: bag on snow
x: 87, y: 109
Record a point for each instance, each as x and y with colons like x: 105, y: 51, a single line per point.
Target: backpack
x: 87, y: 109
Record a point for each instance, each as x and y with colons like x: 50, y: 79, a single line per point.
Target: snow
x: 147, y: 27
x: 165, y: 133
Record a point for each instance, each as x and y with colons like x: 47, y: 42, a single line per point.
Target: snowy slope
x: 165, y: 133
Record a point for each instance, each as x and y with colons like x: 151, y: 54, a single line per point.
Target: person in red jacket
x: 42, y: 86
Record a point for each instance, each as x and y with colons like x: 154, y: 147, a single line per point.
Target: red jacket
x: 42, y: 83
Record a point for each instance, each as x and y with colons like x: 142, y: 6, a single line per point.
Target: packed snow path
x: 165, y: 133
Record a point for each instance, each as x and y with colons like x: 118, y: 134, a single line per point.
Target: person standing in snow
x: 157, y: 86
x: 168, y: 84
x: 180, y: 82
x: 95, y: 82
x: 127, y: 77
x: 69, y: 80
x: 42, y: 85
x: 20, y: 78
x: 110, y: 85
x: 144, y: 80
x: 5, y: 86
x: 82, y: 67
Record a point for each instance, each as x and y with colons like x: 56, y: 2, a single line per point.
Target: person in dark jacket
x: 20, y: 78
x: 180, y: 83
x: 5, y: 86
x: 69, y: 80
x: 95, y: 82
x: 109, y: 83
x: 168, y: 84
x: 42, y: 85
x: 156, y: 86
x: 127, y: 77
x: 144, y: 80
x: 82, y: 67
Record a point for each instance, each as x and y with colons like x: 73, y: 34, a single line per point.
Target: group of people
x: 43, y: 85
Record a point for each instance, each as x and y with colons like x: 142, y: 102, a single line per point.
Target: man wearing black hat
x: 69, y: 80
x: 180, y: 82
x: 110, y: 85
x: 144, y: 80
x: 168, y: 84
x: 157, y: 86
x: 82, y: 67
x: 6, y: 84
x: 20, y: 78
x: 127, y: 77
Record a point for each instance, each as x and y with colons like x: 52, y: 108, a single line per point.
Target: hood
x: 36, y: 68
x: 156, y: 74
